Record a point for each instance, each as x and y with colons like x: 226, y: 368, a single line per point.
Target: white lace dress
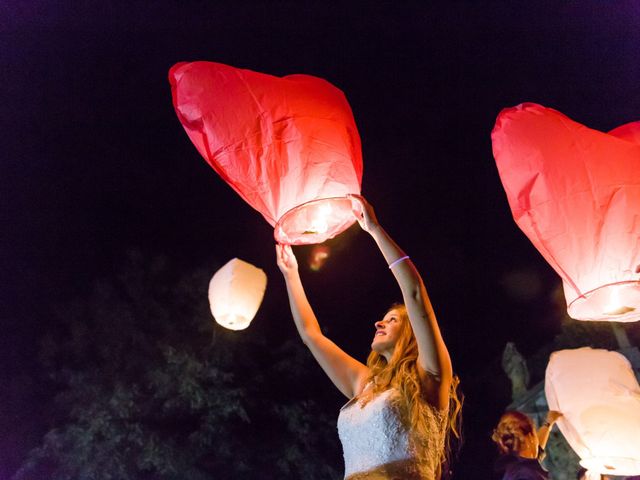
x: 375, y: 443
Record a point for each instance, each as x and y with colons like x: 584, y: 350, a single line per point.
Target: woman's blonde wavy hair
x: 512, y: 431
x: 401, y: 374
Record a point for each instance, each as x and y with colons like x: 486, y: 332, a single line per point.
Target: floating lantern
x: 288, y: 146
x: 575, y: 192
x: 599, y: 398
x: 235, y: 294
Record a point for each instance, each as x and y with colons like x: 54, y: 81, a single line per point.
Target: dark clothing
x: 518, y: 468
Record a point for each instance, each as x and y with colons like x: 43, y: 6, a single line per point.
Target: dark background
x: 95, y: 162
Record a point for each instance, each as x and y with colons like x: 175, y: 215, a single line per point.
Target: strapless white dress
x: 373, y: 435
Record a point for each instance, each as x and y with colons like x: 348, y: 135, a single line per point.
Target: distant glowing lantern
x: 235, y: 294
x: 599, y: 397
x: 288, y: 146
x: 575, y: 192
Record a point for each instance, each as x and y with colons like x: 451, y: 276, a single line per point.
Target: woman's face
x: 387, y: 333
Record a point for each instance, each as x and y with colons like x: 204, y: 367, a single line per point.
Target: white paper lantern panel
x: 235, y: 294
x: 599, y: 397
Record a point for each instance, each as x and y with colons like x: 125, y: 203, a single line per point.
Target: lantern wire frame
x: 618, y: 302
x: 617, y: 466
x: 315, y: 221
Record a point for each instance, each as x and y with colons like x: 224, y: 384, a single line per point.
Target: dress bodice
x: 374, y: 436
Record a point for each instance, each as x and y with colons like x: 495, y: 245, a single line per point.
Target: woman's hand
x: 552, y: 417
x: 285, y: 259
x: 363, y: 212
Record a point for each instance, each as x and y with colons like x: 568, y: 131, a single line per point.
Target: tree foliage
x: 146, y: 387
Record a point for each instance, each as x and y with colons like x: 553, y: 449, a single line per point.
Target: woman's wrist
x: 291, y: 275
x: 374, y: 230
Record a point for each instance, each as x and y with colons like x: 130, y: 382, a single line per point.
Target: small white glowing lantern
x: 599, y: 397
x: 235, y: 294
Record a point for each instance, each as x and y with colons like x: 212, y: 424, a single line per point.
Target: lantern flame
x: 614, y: 306
x: 312, y: 221
x: 612, y: 302
x: 320, y: 223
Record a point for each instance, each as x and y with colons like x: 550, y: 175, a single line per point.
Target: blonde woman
x: 521, y: 446
x: 402, y: 404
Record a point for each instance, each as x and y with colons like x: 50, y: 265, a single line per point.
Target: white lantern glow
x: 235, y: 294
x: 599, y: 397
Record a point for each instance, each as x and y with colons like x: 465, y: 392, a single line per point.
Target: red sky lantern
x: 288, y: 146
x: 575, y: 192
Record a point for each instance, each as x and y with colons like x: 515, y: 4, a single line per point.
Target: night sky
x: 94, y: 161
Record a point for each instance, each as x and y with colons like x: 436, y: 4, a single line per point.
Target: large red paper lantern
x: 288, y: 146
x: 575, y: 192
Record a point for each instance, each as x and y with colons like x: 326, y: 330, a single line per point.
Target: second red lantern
x: 575, y: 192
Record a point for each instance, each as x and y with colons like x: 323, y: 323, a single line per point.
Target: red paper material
x: 575, y: 192
x: 278, y: 142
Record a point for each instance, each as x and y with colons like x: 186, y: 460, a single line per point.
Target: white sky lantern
x: 599, y: 397
x: 235, y: 294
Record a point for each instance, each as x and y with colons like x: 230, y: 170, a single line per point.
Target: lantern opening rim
x: 233, y: 321
x: 343, y: 218
x: 607, y: 465
x: 582, y: 307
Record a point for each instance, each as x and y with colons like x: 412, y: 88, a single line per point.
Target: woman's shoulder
x: 519, y: 468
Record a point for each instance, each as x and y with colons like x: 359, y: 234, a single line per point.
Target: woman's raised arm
x: 434, y: 363
x: 344, y: 371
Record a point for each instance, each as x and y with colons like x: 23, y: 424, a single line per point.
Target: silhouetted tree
x: 148, y: 388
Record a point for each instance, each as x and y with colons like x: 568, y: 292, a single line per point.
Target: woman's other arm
x: 346, y: 373
x: 434, y: 363
x: 545, y: 428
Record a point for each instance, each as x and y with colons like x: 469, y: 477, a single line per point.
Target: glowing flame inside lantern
x: 610, y: 302
x: 615, y: 304
x: 308, y: 223
x: 235, y: 294
x: 320, y: 223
